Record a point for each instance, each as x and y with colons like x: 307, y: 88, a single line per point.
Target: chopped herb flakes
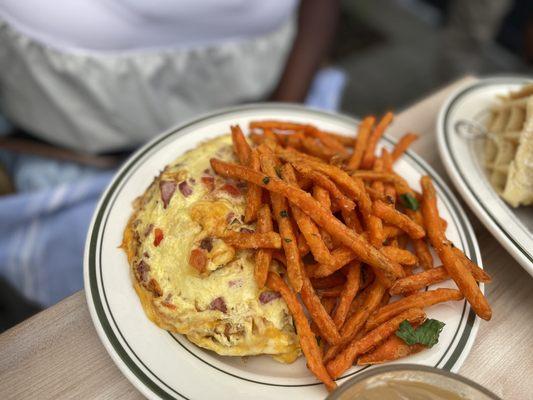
x: 409, y: 201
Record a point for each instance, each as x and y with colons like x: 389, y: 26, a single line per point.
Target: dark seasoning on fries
x: 342, y: 222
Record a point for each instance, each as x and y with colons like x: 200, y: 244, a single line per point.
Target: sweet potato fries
x: 349, y: 232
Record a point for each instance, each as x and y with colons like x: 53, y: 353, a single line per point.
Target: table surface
x: 57, y: 353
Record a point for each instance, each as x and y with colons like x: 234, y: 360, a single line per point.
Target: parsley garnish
x: 284, y: 214
x: 287, y: 240
x: 426, y: 334
x: 266, y: 179
x: 409, y: 201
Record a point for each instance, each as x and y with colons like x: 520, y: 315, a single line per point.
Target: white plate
x: 162, y: 365
x: 462, y: 155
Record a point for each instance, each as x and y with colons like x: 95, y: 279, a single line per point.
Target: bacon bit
x: 167, y: 189
x: 198, y: 259
x: 231, y: 189
x: 207, y: 244
x: 185, y: 189
x: 268, y: 296
x: 235, y: 283
x: 209, y: 182
x: 158, y: 236
x: 142, y: 270
x: 218, y: 304
x: 246, y: 230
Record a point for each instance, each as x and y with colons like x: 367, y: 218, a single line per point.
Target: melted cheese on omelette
x: 191, y: 282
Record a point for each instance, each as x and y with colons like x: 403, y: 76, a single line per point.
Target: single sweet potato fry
x: 351, y: 287
x: 369, y: 156
x: 394, y: 217
x: 401, y: 256
x: 240, y: 145
x: 360, y: 142
x: 312, y: 302
x: 403, y: 144
x: 478, y: 273
x: 255, y: 240
x: 417, y: 300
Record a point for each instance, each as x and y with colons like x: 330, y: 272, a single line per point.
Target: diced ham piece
x: 198, y: 259
x: 268, y: 296
x: 231, y: 189
x: 158, y: 236
x: 167, y: 189
x: 185, y: 189
x: 218, y: 304
x: 209, y: 182
x: 142, y: 270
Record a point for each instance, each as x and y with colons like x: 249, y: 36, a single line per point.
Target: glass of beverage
x: 410, y: 382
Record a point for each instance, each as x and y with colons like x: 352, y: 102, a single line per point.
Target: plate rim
x: 113, y: 345
x: 457, y: 177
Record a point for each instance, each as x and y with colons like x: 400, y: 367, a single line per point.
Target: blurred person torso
x: 105, y: 75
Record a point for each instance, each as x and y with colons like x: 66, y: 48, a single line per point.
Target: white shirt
x: 133, y: 25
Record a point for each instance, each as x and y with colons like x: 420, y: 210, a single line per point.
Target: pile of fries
x: 350, y: 233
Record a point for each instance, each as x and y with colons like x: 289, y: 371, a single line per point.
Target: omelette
x: 189, y: 281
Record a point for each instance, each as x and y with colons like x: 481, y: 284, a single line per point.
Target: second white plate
x: 462, y: 156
